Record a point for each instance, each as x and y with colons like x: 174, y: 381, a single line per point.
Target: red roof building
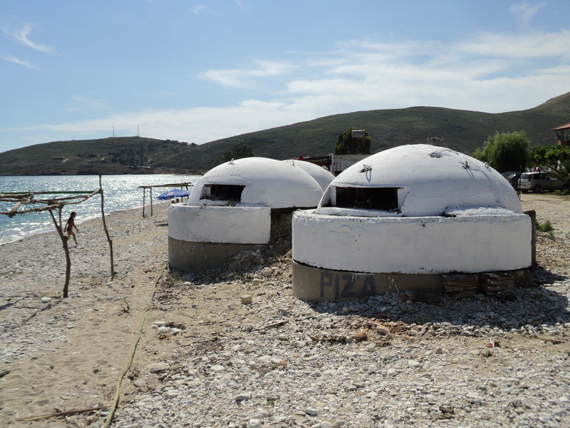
x: 563, y: 140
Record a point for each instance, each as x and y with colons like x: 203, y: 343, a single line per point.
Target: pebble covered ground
x: 207, y: 360
x: 380, y: 362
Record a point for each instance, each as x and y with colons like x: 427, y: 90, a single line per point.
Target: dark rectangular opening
x: 222, y: 192
x: 374, y: 198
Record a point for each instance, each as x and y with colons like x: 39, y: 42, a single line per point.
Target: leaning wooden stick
x: 56, y: 415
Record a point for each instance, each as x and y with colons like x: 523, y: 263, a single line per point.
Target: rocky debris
x: 391, y: 360
x: 280, y: 362
x: 246, y: 299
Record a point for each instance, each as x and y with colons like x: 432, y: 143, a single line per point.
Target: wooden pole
x: 65, y: 248
x: 532, y: 215
x: 144, y: 195
x: 109, y: 240
x: 151, y: 201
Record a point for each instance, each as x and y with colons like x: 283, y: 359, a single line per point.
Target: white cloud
x: 21, y: 36
x: 241, y: 77
x: 198, y: 125
x: 23, y: 62
x: 533, y: 45
x: 525, y: 12
x: 198, y: 8
x: 488, y: 72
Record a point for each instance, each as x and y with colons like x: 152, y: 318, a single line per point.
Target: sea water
x: 120, y: 192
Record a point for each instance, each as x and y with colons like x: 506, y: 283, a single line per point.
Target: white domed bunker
x: 237, y: 206
x: 405, y: 218
x: 322, y: 175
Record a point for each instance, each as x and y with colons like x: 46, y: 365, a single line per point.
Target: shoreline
x: 83, y: 220
x: 121, y: 192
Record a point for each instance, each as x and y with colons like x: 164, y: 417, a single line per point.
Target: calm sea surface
x: 120, y: 193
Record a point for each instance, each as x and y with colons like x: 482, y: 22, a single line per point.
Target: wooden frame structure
x: 181, y: 185
x: 56, y: 204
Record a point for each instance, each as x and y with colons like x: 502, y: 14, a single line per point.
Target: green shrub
x: 544, y: 227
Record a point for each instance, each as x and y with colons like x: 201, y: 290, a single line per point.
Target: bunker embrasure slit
x: 374, y: 198
x: 222, y: 192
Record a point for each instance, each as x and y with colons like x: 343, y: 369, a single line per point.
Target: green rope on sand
x: 127, y: 368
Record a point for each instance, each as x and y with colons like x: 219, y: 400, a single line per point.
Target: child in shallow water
x: 70, y: 225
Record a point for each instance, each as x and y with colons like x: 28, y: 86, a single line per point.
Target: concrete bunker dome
x: 239, y: 205
x: 401, y: 219
x: 257, y: 181
x: 322, y: 175
x: 417, y: 180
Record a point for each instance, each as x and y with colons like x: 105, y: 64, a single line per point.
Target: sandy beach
x: 206, y: 360
x: 65, y: 354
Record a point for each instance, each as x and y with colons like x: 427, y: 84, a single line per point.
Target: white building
x: 236, y: 206
x: 400, y: 219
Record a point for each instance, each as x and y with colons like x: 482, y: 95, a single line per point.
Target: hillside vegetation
x: 460, y: 130
x: 117, y: 155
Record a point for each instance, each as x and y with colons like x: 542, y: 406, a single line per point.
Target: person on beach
x: 70, y: 225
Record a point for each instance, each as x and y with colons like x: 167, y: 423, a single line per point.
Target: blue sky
x: 197, y: 71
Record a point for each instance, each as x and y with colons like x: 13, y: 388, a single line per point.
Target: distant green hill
x: 460, y: 130
x: 117, y: 155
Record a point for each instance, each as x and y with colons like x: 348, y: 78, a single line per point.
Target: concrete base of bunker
x: 196, y: 257
x: 310, y: 283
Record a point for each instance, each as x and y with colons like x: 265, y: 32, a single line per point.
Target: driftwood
x: 58, y: 414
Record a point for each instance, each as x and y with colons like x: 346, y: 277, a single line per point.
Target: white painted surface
x: 228, y: 225
x: 321, y: 175
x: 467, y: 243
x: 340, y: 163
x: 430, y: 179
x: 268, y: 182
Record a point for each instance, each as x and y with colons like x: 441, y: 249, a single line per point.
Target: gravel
x: 385, y: 361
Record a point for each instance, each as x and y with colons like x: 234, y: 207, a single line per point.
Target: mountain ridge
x: 461, y: 130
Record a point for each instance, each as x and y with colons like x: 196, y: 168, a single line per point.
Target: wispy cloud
x: 197, y: 9
x: 488, y: 72
x: 15, y: 60
x: 21, y: 36
x: 533, y: 45
x: 239, y: 78
x: 525, y: 12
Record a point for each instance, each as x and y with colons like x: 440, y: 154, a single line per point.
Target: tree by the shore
x: 505, y: 151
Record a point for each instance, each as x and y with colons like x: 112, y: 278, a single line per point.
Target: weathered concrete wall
x: 320, y: 285
x: 227, y: 225
x: 196, y: 257
x: 413, y: 245
x: 191, y: 256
